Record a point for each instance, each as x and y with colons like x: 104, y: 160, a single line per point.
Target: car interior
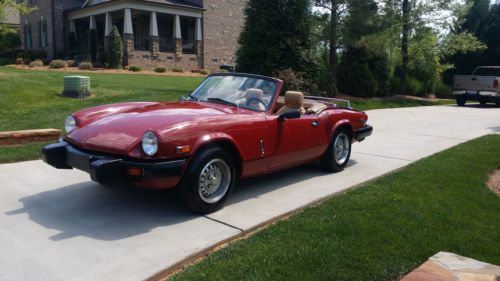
x: 294, y: 100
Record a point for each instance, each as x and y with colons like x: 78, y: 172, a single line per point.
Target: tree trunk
x: 333, y: 40
x: 404, y: 45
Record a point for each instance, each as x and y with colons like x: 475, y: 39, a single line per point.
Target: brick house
x: 185, y: 33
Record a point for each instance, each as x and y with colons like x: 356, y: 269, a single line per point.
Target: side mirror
x: 289, y: 115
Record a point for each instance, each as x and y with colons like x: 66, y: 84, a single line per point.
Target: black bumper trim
x: 106, y: 169
x: 361, y: 134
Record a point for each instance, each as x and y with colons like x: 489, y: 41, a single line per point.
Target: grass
x: 19, y: 153
x: 31, y: 99
x: 395, y: 103
x: 379, y: 231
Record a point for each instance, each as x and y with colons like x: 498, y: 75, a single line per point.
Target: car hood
x: 119, y: 128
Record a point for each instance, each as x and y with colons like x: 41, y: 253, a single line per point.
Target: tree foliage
x: 9, y: 39
x: 14, y: 6
x: 276, y: 36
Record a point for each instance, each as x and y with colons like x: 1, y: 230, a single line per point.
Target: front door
x: 296, y: 140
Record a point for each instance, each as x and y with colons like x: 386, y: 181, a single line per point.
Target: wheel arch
x: 226, y: 143
x: 342, y: 124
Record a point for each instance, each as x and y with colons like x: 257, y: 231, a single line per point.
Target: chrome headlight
x: 149, y: 143
x: 69, y: 124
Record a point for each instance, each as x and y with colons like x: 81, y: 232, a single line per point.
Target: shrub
x: 71, y: 40
x: 414, y: 87
x: 114, y: 49
x: 160, y: 69
x: 204, y: 72
x: 135, y: 68
x: 85, y: 65
x: 58, y: 64
x: 6, y: 61
x: 442, y: 91
x: 71, y: 63
x: 19, y: 61
x: 36, y: 63
x: 9, y: 39
x: 195, y: 71
x: 177, y: 69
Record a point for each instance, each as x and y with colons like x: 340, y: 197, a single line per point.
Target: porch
x: 153, y: 34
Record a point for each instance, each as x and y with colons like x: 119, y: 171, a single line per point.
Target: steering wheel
x: 251, y: 100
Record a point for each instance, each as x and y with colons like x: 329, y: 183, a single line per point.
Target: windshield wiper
x: 218, y: 100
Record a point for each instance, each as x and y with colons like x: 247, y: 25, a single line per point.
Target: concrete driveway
x: 58, y: 225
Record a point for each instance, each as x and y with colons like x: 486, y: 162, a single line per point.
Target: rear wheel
x: 208, y: 181
x: 497, y: 102
x: 338, y: 153
x: 482, y: 102
x: 460, y: 101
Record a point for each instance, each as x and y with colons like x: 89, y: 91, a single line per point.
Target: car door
x: 296, y: 140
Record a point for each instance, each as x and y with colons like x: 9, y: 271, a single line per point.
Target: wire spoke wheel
x: 214, y: 181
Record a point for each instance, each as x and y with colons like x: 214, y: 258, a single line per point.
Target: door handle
x: 315, y: 124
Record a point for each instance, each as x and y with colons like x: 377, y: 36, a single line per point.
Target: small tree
x: 71, y: 40
x: 114, y: 49
x: 93, y: 45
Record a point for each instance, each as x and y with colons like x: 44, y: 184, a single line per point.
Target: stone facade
x: 128, y: 48
x: 145, y: 60
x: 223, y: 21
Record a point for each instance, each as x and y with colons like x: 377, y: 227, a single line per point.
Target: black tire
x: 482, y: 102
x: 461, y: 101
x: 329, y: 161
x: 497, y: 102
x: 190, y: 187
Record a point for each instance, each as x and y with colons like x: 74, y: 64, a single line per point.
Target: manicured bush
x: 36, y: 63
x: 71, y: 63
x: 114, y: 49
x: 9, y: 39
x: 160, y: 69
x: 135, y: 68
x: 204, y: 72
x: 58, y: 64
x: 71, y: 40
x: 195, y: 71
x: 6, y: 61
x: 85, y: 65
x: 19, y: 61
x: 177, y: 69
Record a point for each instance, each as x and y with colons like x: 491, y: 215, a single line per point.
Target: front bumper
x: 363, y: 133
x: 107, y: 169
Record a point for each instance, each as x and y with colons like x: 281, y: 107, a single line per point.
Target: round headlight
x: 149, y: 143
x: 69, y: 124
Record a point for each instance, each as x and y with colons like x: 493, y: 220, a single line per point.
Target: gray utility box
x: 76, y: 86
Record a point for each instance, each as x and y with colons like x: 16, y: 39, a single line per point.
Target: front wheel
x: 208, y: 181
x: 338, y: 153
x: 461, y: 101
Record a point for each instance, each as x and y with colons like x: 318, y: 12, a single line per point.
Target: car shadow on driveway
x: 118, y: 212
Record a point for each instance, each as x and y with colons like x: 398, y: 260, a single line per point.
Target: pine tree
x: 114, y: 49
x: 276, y: 36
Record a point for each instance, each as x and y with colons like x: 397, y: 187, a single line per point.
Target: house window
x: 42, y: 32
x: 27, y: 36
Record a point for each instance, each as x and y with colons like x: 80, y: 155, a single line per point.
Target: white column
x: 72, y: 26
x: 153, y: 26
x: 177, y: 27
x: 127, y: 22
x: 198, y: 36
x: 91, y: 24
x: 108, y: 24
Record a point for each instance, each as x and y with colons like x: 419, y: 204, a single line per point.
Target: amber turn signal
x: 183, y: 149
x: 135, y: 172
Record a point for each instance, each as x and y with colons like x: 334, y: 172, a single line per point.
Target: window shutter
x: 25, y: 36
x: 40, y: 33
x: 30, y: 42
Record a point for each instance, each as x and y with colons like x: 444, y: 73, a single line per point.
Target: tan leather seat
x: 252, y: 97
x: 293, y: 101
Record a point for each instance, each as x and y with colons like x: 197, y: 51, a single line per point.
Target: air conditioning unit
x: 76, y: 87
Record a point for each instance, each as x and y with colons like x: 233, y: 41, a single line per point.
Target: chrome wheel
x: 214, y: 181
x: 341, y: 149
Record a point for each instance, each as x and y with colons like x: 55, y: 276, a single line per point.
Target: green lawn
x: 379, y: 231
x: 31, y: 99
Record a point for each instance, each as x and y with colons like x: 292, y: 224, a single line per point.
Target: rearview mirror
x: 289, y: 115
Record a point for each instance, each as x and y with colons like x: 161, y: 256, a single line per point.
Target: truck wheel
x: 461, y: 101
x: 208, y: 181
x: 338, y: 153
x: 482, y: 102
x: 497, y: 102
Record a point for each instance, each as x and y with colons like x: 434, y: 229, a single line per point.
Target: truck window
x: 487, y: 72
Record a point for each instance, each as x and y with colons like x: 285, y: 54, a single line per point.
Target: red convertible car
x: 232, y: 126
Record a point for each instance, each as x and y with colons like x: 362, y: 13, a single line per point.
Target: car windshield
x: 246, y: 92
x: 487, y: 71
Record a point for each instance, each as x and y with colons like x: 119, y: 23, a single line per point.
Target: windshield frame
x: 278, y: 83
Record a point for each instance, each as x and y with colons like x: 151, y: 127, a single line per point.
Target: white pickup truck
x: 481, y: 86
